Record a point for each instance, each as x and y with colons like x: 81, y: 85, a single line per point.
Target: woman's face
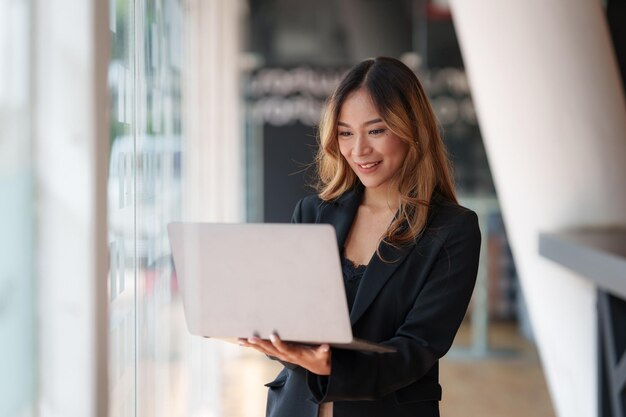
x: 373, y: 152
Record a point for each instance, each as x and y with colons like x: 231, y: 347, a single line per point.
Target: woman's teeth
x: 370, y: 165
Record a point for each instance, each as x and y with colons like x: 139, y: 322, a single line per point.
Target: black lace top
x: 352, y: 275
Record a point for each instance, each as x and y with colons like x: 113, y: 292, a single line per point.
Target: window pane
x: 158, y: 153
x: 121, y: 211
x: 17, y: 257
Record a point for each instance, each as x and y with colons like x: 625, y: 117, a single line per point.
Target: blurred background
x: 118, y: 117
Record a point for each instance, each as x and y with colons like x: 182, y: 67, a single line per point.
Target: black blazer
x: 414, y: 304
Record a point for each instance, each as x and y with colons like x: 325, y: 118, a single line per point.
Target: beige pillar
x: 551, y: 109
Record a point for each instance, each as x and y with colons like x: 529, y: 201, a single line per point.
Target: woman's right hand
x: 314, y: 359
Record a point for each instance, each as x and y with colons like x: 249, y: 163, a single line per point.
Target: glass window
x: 144, y: 190
x: 17, y: 290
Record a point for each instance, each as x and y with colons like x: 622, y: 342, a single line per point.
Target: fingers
x: 267, y: 346
x: 281, y: 346
x: 322, y: 349
x: 316, y: 359
x: 323, y: 363
x: 262, y: 346
x: 276, y: 347
x: 245, y: 343
x: 294, y: 352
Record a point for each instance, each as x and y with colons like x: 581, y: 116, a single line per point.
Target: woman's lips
x: 368, y: 167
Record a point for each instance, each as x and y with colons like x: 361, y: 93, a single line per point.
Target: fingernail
x: 251, y: 340
x: 272, y: 337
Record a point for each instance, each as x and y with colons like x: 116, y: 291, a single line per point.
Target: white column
x: 213, y: 164
x: 71, y: 50
x: 551, y: 109
x: 213, y: 170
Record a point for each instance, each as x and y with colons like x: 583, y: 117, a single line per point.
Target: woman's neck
x: 381, y: 198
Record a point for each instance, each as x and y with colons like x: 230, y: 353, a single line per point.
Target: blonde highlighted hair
x: 403, y: 105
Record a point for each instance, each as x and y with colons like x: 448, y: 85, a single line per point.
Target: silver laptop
x: 243, y: 280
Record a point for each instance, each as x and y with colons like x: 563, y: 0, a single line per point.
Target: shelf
x: 599, y: 254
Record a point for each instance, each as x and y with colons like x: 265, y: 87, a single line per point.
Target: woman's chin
x: 371, y: 184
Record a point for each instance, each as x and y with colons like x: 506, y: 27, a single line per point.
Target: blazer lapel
x: 343, y: 213
x: 341, y: 216
x: 376, y: 275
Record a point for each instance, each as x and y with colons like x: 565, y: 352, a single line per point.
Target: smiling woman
x: 409, y: 253
x: 384, y: 99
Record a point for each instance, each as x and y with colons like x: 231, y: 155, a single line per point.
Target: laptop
x: 243, y: 280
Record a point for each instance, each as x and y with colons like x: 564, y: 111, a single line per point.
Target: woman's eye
x: 377, y: 131
x: 344, y: 134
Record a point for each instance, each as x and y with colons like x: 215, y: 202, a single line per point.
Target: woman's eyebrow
x: 369, y: 122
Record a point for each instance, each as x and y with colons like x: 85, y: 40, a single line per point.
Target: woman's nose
x: 361, y: 146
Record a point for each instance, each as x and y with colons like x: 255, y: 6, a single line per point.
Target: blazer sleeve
x: 296, y: 217
x: 425, y: 335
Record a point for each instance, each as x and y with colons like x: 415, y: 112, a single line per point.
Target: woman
x: 409, y: 253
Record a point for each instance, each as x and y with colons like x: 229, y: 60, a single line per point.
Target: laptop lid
x: 239, y: 280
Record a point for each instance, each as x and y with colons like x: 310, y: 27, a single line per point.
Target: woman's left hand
x: 315, y: 359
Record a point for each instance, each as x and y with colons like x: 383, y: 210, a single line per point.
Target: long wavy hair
x: 402, y: 104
